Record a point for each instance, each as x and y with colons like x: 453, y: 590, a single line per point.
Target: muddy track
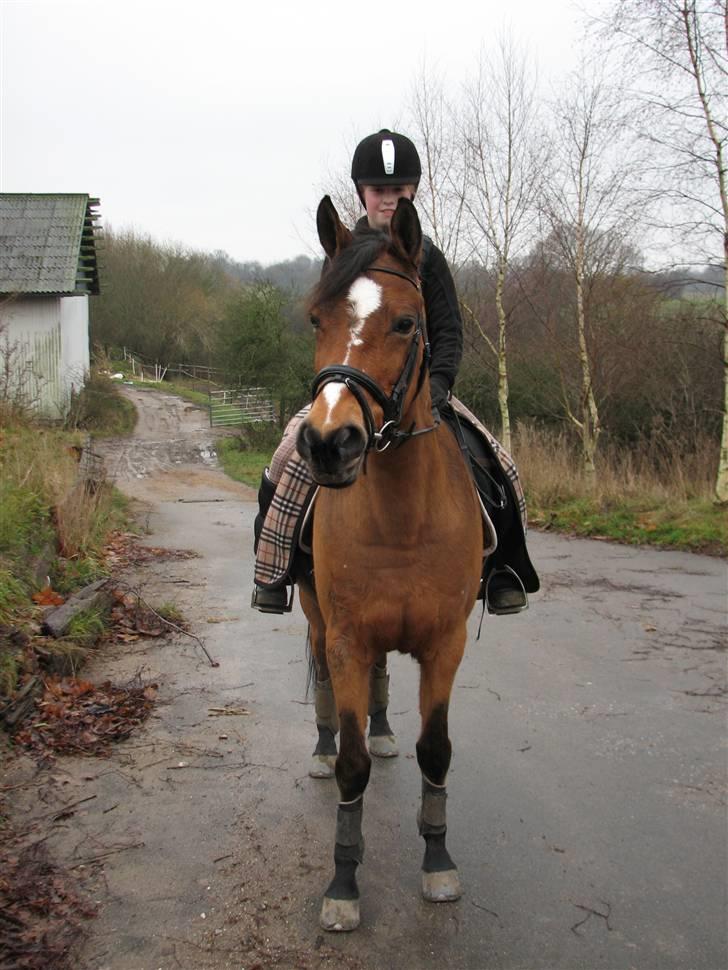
x: 169, y: 433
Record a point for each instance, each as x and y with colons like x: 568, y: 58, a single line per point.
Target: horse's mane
x: 349, y: 264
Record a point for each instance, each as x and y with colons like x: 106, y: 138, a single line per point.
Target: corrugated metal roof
x: 47, y: 244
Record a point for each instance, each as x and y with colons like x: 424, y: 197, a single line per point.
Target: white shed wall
x: 75, y: 353
x: 44, y: 352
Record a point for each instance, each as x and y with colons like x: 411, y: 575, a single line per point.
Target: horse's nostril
x: 308, y: 438
x: 333, y: 453
x: 348, y: 441
x: 342, y: 436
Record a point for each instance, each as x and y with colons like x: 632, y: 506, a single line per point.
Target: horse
x: 397, y: 540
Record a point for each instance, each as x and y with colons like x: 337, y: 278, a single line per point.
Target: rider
x: 385, y: 168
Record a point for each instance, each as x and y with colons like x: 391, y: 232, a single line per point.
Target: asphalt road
x: 587, y: 794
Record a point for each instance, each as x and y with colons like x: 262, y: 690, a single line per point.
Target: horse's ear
x: 406, y: 231
x: 334, y: 236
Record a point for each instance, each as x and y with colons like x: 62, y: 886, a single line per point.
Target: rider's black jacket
x: 444, y: 323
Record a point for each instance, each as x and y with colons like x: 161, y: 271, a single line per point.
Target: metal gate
x: 239, y: 405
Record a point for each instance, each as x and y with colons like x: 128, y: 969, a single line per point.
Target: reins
x: 357, y: 381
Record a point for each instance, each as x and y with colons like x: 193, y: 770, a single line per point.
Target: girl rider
x: 385, y: 167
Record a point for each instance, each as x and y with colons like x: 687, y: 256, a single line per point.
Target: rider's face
x: 380, y: 201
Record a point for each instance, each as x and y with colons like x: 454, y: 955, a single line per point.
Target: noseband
x: 357, y: 381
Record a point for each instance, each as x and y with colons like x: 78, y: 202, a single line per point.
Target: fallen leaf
x: 48, y: 597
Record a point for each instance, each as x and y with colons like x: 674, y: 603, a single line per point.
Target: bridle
x: 357, y: 381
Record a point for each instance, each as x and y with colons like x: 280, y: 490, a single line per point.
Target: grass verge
x: 54, y: 525
x: 657, y: 494
x: 692, y: 525
x: 245, y: 455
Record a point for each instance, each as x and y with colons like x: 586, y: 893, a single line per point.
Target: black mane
x: 349, y: 264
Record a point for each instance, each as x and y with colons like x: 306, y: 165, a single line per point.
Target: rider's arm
x: 444, y: 323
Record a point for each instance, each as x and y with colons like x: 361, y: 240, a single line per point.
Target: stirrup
x: 508, y: 599
x: 278, y: 600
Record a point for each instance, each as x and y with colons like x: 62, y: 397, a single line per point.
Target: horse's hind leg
x: 327, y: 721
x: 323, y: 759
x: 440, y: 880
x: 382, y: 742
x: 350, y: 676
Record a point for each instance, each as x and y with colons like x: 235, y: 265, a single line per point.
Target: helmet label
x: 388, y: 156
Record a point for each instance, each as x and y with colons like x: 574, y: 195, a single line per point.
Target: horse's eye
x: 315, y: 322
x: 403, y: 324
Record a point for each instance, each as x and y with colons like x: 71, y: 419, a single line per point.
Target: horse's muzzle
x: 334, y: 457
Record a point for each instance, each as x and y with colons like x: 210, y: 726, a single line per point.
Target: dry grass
x: 47, y: 511
x: 659, y: 470
x: 660, y: 492
x: 41, y: 466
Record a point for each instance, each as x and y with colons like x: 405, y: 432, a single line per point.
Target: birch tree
x: 678, y: 52
x: 504, y: 157
x: 589, y: 205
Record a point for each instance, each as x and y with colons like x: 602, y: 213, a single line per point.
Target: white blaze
x: 332, y: 393
x: 365, y: 296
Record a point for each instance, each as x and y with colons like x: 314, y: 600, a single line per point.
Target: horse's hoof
x: 339, y: 915
x: 441, y: 887
x: 383, y: 746
x: 322, y: 766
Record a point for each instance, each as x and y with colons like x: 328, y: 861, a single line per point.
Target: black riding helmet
x: 386, y: 157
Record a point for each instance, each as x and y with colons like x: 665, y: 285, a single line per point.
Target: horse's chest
x: 401, y: 600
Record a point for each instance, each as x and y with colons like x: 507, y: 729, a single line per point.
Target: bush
x: 101, y: 408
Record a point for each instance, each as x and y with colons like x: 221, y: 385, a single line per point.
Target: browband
x: 394, y: 272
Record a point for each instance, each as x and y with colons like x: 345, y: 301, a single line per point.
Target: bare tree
x: 589, y: 204
x: 504, y: 157
x: 441, y: 195
x: 678, y: 53
x: 339, y: 186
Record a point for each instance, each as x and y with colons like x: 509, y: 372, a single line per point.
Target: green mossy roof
x: 47, y: 244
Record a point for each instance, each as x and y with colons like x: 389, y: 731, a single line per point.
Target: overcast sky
x: 213, y: 123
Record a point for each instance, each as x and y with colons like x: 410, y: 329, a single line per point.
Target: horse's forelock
x: 349, y: 264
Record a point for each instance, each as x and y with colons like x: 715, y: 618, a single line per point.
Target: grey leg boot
x: 382, y: 742
x: 327, y: 723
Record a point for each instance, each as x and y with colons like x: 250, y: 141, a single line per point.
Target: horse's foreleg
x: 382, y: 742
x: 350, y: 677
x: 440, y: 880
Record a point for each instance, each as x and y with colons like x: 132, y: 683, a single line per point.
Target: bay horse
x: 397, y: 530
